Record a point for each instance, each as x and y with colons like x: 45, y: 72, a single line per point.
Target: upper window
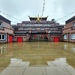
x: 0, y: 23
x: 59, y: 28
x: 42, y: 29
x: 65, y: 36
x: 51, y: 28
x: 48, y: 25
x: 74, y: 24
x: 3, y: 37
x: 15, y: 28
x: 33, y: 29
x: 20, y: 28
x: 0, y: 37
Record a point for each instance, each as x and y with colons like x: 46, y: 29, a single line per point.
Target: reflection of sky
x: 57, y: 67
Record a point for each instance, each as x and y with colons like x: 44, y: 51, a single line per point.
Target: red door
x: 56, y: 39
x: 19, y: 39
x: 10, y: 38
x: 34, y: 35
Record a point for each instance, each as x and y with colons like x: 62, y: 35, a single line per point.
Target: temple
x: 38, y: 28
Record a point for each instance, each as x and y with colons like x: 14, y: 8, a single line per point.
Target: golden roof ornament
x: 38, y: 19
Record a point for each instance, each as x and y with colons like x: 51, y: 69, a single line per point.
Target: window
x: 28, y: 25
x: 35, y: 25
x: 20, y: 28
x: 33, y: 28
x: 49, y: 25
x: 15, y: 28
x: 0, y: 23
x: 37, y: 28
x: 42, y: 29
x: 65, y: 37
x: 51, y: 29
x: 73, y: 36
x: 40, y: 24
x: 74, y: 24
x: 59, y: 28
x: 45, y: 25
x: 2, y: 37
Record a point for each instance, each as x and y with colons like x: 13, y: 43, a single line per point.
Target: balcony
x: 37, y: 31
x: 56, y: 32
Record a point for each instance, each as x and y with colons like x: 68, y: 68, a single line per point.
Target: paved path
x: 57, y: 67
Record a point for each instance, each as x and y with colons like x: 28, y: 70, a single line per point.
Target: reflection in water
x: 18, y: 62
x: 3, y: 50
x: 10, y: 45
x: 65, y: 46
x: 58, y: 62
x: 57, y: 67
x: 56, y: 43
x: 73, y: 48
x: 42, y: 54
x: 20, y: 43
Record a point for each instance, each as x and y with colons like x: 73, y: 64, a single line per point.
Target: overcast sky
x: 21, y: 9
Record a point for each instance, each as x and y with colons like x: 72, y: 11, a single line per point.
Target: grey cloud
x: 22, y: 8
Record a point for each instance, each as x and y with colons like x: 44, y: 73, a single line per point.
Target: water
x: 35, y: 56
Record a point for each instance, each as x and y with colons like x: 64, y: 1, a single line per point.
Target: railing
x: 36, y: 31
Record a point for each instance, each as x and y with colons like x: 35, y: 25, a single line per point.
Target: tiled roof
x: 5, y: 20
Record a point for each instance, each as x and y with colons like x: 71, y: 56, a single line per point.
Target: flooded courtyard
x: 37, y: 58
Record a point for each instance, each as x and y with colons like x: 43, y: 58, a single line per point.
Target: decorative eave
x: 38, y: 19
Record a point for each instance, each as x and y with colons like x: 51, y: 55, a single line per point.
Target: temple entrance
x: 10, y: 38
x: 56, y: 39
x: 19, y: 39
x: 38, y: 37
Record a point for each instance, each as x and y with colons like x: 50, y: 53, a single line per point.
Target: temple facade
x: 38, y: 28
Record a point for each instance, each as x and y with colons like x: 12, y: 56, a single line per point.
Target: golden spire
x: 38, y: 19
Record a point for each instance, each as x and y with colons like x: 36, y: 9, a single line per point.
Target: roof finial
x: 38, y: 19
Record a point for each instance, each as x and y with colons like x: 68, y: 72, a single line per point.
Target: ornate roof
x: 38, y: 19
